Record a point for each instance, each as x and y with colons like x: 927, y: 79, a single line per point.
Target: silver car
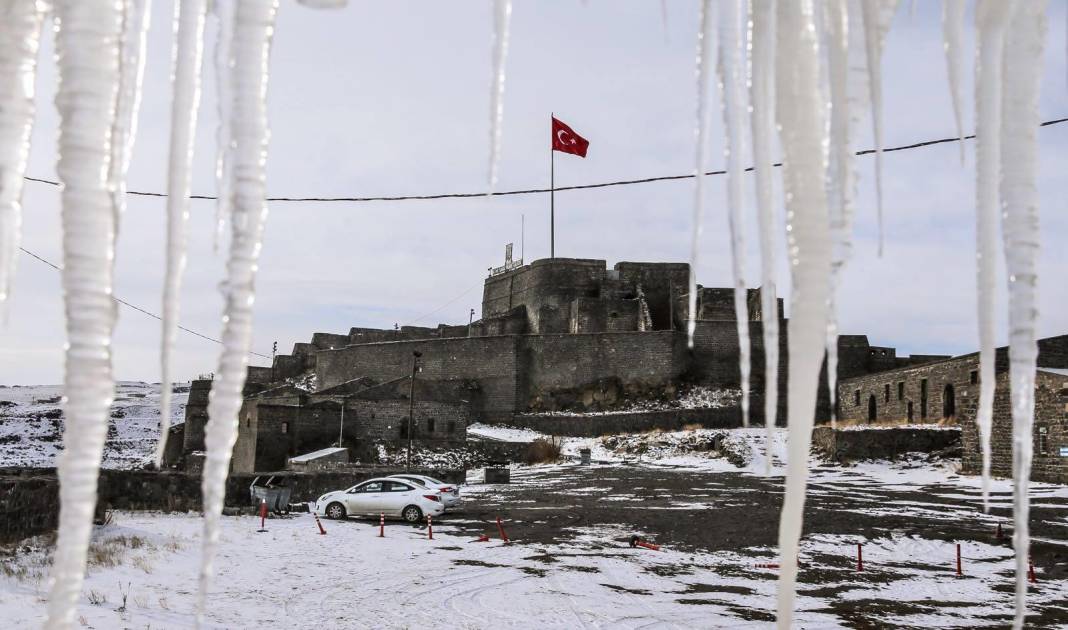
x: 450, y: 493
x: 395, y: 498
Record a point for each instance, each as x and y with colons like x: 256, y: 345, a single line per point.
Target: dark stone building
x: 948, y: 390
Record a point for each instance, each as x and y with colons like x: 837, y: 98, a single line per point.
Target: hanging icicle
x: 840, y: 174
x: 253, y: 30
x: 502, y: 15
x: 88, y: 54
x: 223, y: 61
x: 877, y: 15
x: 991, y: 18
x: 953, y: 42
x: 135, y: 14
x: 189, y: 19
x: 20, y: 39
x: 803, y: 134
x: 1024, y: 46
x: 731, y: 75
x: 704, y: 70
x: 762, y: 99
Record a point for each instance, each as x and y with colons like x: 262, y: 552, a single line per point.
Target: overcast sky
x: 392, y: 98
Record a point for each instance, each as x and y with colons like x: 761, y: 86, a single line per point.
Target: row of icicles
x: 810, y: 69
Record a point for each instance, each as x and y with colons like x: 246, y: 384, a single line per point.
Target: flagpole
x: 552, y: 194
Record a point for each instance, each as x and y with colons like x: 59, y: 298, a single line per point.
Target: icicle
x: 253, y: 28
x: 731, y: 76
x: 224, y: 61
x: 704, y: 69
x: 877, y: 16
x: 20, y: 37
x: 953, y: 42
x: 803, y: 137
x: 502, y: 14
x: 762, y: 98
x: 189, y: 21
x: 135, y: 14
x: 991, y: 17
x: 1024, y: 43
x: 840, y: 181
x: 88, y: 51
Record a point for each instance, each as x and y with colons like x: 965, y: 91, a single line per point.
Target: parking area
x: 569, y: 563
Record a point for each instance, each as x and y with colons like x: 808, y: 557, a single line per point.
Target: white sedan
x: 450, y: 494
x: 392, y: 497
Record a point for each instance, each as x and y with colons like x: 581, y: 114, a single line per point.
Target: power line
x: 536, y: 191
x: 138, y: 308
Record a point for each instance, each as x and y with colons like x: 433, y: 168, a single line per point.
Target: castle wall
x: 660, y: 282
x: 564, y: 363
x: 489, y: 360
x: 923, y: 386
x: 552, y: 283
x: 597, y: 425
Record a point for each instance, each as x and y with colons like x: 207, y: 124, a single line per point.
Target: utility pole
x: 470, y: 320
x: 411, y: 404
x: 341, y: 433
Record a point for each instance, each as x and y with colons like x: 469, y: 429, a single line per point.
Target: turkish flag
x: 566, y: 140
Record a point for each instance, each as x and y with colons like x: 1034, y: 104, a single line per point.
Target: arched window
x: 871, y: 408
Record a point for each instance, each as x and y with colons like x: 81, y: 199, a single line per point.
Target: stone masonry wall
x: 845, y: 445
x: 489, y: 360
x: 1050, y: 433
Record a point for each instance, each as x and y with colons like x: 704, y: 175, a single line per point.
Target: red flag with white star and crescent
x: 567, y: 141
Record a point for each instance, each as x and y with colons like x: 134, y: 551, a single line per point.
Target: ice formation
x: 502, y: 15
x: 251, y: 42
x: 762, y: 121
x: 223, y: 61
x: 731, y: 73
x: 840, y: 170
x: 135, y: 14
x: 188, y: 57
x: 88, y: 49
x: 953, y: 42
x: 991, y: 18
x: 1024, y: 43
x: 802, y: 132
x: 704, y: 69
x: 877, y: 15
x: 19, y: 42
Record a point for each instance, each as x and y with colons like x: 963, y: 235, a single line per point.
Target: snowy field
x: 31, y: 424
x: 569, y: 564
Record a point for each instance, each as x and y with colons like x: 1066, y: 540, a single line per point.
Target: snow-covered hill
x: 31, y: 424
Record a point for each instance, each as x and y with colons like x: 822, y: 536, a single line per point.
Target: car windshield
x: 435, y: 481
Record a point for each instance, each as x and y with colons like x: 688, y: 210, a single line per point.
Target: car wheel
x: 412, y: 514
x: 335, y: 511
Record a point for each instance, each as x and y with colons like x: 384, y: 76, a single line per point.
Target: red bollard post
x: 263, y: 516
x: 429, y: 527
x: 500, y: 528
x: 322, y: 532
x: 1031, y: 571
x: 959, y: 571
x: 860, y: 557
x: 382, y: 525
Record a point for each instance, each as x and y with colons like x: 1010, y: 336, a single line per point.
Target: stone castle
x: 557, y: 338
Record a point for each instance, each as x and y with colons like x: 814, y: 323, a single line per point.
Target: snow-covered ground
x: 699, y: 397
x: 350, y: 578
x: 31, y: 424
